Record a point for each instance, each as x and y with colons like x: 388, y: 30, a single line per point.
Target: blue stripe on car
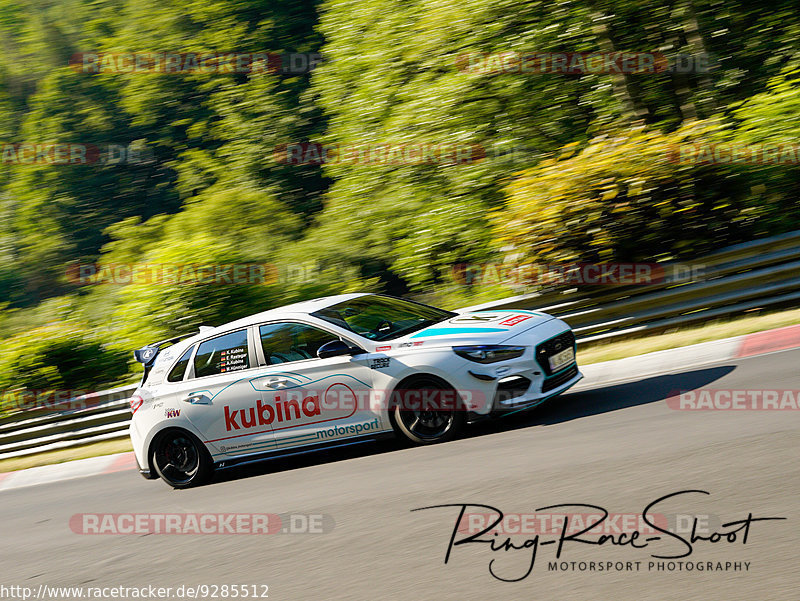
x: 446, y: 331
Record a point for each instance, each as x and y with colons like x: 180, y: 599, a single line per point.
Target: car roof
x: 294, y: 309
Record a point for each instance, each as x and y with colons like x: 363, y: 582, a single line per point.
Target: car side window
x: 179, y: 369
x: 222, y: 354
x: 286, y: 342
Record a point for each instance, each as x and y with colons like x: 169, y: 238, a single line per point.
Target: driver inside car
x: 279, y: 346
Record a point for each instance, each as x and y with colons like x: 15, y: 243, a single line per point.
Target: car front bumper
x: 529, y: 380
x: 509, y: 400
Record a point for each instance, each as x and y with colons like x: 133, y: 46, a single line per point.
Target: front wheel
x: 181, y: 460
x: 428, y: 412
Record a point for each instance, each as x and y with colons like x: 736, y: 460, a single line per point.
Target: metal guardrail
x: 91, y: 418
x: 762, y: 273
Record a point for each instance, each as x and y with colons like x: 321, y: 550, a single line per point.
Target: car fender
x: 441, y: 363
x: 154, y: 427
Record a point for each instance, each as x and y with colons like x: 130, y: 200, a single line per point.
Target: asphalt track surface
x: 619, y: 446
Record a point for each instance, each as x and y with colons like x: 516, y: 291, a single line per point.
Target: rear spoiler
x: 147, y: 354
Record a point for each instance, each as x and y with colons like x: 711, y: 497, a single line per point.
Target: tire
x: 423, y: 426
x: 181, y: 459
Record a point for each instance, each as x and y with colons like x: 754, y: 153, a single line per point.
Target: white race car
x: 335, y: 371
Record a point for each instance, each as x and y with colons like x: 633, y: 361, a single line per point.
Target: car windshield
x: 382, y: 317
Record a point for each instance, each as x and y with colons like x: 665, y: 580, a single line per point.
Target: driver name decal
x: 233, y: 359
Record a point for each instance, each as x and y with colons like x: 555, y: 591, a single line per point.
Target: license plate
x: 561, y: 359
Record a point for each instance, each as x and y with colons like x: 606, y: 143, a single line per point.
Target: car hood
x: 477, y: 327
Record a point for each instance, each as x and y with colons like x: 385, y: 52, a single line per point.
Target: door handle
x: 276, y: 383
x: 197, y: 399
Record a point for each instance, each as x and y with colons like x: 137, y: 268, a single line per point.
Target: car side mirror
x: 337, y: 348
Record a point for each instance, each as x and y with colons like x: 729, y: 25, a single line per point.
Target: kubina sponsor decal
x: 264, y: 414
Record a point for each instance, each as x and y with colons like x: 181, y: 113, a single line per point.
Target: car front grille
x: 551, y: 347
x: 562, y: 378
x: 511, y: 388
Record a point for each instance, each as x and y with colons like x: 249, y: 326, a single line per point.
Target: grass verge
x: 713, y: 330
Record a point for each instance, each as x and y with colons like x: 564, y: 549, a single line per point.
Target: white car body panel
x: 241, y: 413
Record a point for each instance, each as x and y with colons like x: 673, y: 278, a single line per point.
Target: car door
x: 218, y: 398
x: 312, y: 400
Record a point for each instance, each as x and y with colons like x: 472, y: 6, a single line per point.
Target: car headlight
x: 489, y: 353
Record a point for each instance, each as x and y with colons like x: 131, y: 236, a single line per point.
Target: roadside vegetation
x: 567, y: 167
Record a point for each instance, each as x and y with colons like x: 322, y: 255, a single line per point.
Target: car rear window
x: 179, y: 369
x: 222, y: 354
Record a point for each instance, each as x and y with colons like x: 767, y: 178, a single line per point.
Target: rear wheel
x: 181, y: 459
x: 428, y: 411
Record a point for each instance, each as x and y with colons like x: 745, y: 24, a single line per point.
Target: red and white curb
x: 694, y: 355
x: 595, y: 374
